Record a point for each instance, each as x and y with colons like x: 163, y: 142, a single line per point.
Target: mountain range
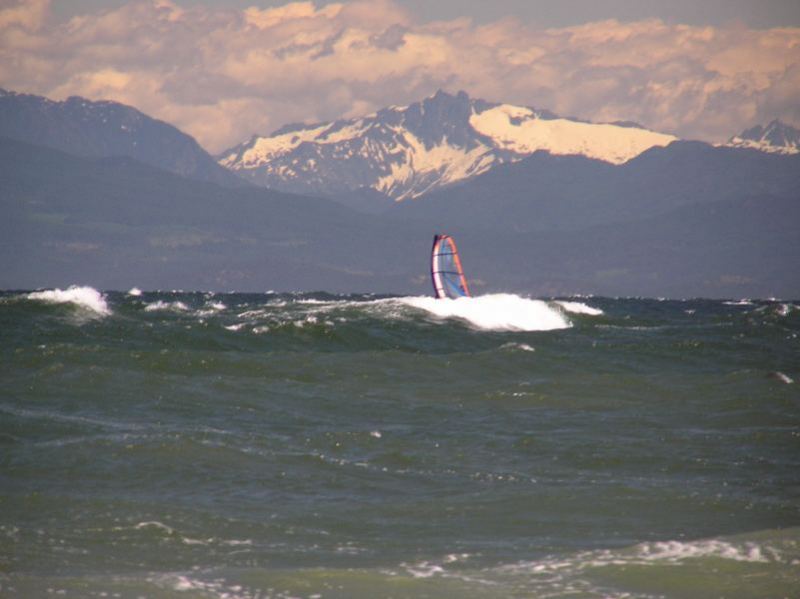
x: 674, y: 219
x: 405, y: 152
x: 545, y: 192
x: 96, y: 129
x: 775, y: 138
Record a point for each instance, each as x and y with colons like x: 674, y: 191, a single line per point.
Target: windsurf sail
x: 446, y: 272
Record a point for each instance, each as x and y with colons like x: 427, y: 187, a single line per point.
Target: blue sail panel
x: 446, y: 272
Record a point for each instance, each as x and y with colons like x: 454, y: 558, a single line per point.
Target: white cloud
x: 222, y: 74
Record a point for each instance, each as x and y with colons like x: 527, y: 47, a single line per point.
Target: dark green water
x: 275, y: 445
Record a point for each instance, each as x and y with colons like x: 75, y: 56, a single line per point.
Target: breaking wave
x: 495, y: 312
x: 162, y: 305
x: 579, y: 308
x: 87, y: 298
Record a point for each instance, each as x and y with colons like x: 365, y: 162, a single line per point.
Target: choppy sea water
x: 310, y: 445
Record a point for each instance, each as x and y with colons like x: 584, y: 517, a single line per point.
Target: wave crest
x: 579, y: 308
x: 87, y: 298
x: 495, y: 312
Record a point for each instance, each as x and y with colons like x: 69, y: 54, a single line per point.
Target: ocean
x: 176, y: 444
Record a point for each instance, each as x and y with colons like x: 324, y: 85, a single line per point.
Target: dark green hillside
x: 102, y: 129
x: 114, y: 223
x: 546, y: 192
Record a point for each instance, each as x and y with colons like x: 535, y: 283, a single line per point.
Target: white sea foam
x: 135, y: 291
x: 210, y: 309
x: 257, y: 313
x: 162, y: 305
x: 310, y: 319
x: 84, y: 297
x: 155, y: 524
x: 571, y: 569
x: 785, y: 378
x: 579, y: 308
x: 176, y: 535
x: 673, y: 551
x: 423, y: 569
x: 496, y: 312
x: 517, y: 346
x: 206, y: 588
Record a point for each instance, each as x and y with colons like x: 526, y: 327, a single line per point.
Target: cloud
x: 28, y: 14
x: 223, y: 74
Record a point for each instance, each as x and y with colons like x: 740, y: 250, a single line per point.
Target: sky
x: 227, y: 69
x: 546, y: 13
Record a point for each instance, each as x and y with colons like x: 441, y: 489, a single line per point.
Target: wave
x: 670, y: 562
x: 495, y: 312
x: 784, y: 378
x: 704, y: 567
x: 159, y: 305
x: 517, y: 347
x: 87, y: 298
x: 579, y: 308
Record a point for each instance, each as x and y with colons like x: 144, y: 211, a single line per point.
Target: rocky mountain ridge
x: 406, y: 151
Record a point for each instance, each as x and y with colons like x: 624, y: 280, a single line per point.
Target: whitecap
x: 579, y: 308
x: 423, y: 569
x: 310, y: 319
x: 162, y: 305
x: 84, y: 297
x: 517, y: 346
x: 670, y: 552
x: 210, y: 309
x: 495, y: 312
x: 673, y: 551
x: 135, y: 291
x: 456, y: 557
x: 154, y: 524
x: 252, y: 313
x: 784, y: 378
x: 185, y: 582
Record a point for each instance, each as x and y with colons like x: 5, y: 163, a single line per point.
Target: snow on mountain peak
x: 522, y: 131
x: 775, y: 138
x: 405, y: 151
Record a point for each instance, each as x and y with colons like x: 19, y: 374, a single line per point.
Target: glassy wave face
x: 312, y: 445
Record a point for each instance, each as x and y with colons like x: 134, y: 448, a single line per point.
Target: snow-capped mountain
x: 406, y: 151
x: 775, y: 138
x: 103, y: 129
